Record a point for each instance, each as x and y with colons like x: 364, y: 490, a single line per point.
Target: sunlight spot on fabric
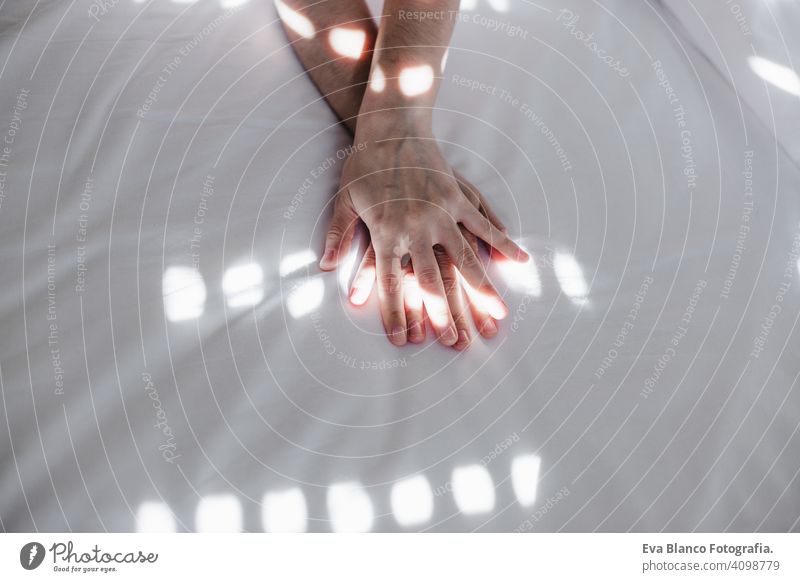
x: 778, y: 75
x: 306, y: 297
x: 412, y: 501
x: 218, y: 514
x: 520, y: 277
x: 184, y: 293
x: 349, y: 507
x: 570, y: 277
x: 154, y: 517
x: 473, y: 489
x: 243, y: 285
x: 284, y: 511
x: 525, y: 478
x: 296, y: 261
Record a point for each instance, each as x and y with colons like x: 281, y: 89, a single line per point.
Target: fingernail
x: 463, y: 340
x: 499, y: 310
x: 522, y: 255
x: 327, y: 259
x: 398, y: 335
x: 415, y: 331
x: 360, y: 293
x: 449, y: 336
x: 490, y: 326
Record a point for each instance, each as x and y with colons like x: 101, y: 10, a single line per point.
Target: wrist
x: 393, y: 121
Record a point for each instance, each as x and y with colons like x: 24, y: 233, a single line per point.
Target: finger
x: 340, y: 234
x: 490, y: 214
x: 389, y: 276
x: 364, y: 280
x: 471, y: 239
x: 468, y: 189
x: 412, y: 297
x: 433, y: 294
x: 485, y: 323
x: 479, y: 201
x: 482, y: 227
x: 476, y: 282
x: 455, y: 297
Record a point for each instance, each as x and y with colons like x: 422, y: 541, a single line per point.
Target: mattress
x: 172, y: 359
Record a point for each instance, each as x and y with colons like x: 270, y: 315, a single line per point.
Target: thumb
x: 340, y: 233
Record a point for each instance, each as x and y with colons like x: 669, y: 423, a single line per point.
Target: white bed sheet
x: 253, y: 361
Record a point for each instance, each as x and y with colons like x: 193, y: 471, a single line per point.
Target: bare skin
x: 412, y: 202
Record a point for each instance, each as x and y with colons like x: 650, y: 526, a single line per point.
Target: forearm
x: 407, y: 62
x: 334, y: 40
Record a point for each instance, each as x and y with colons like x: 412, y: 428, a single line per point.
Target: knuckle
x: 428, y: 277
x: 465, y: 258
x: 418, y: 245
x: 390, y: 282
x: 450, y: 285
x: 441, y: 256
x: 335, y: 231
x: 445, y: 263
x: 395, y: 315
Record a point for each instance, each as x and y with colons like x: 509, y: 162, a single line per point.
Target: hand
x: 457, y: 297
x: 412, y: 204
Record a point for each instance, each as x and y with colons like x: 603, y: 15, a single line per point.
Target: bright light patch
x: 232, y: 3
x: 346, y: 268
x: 348, y: 42
x: 296, y: 261
x: 436, y: 307
x: 412, y: 501
x: 469, y: 4
x: 525, y: 477
x: 295, y: 21
x: 154, y: 517
x: 349, y: 507
x: 570, y: 277
x: 444, y: 59
x: 473, y: 489
x: 377, y: 80
x: 284, y: 511
x: 416, y: 80
x: 482, y: 301
x: 243, y: 285
x: 365, y: 282
x: 306, y: 297
x: 184, y: 293
x: 779, y: 75
x: 412, y: 294
x: 520, y: 277
x: 218, y: 514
